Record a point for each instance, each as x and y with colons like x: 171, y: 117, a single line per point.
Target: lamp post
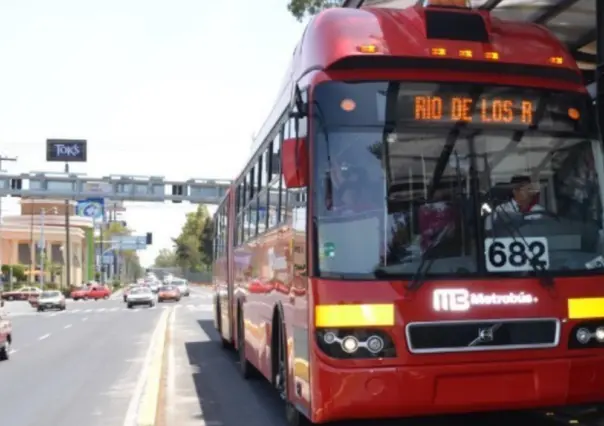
x: 42, y: 244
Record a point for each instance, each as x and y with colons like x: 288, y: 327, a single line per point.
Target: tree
x: 187, y: 245
x: 166, y: 258
x: 302, y: 8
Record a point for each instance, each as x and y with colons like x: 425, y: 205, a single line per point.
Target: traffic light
x: 149, y: 238
x: 177, y: 190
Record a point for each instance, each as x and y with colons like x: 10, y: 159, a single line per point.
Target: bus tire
x: 293, y: 417
x: 224, y: 343
x: 247, y: 370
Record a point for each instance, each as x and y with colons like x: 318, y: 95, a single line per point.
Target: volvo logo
x: 485, y: 335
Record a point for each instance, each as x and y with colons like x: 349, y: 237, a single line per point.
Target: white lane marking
x: 53, y: 315
x: 171, y: 385
x: 85, y: 319
x: 12, y: 351
x: 46, y: 336
x: 88, y: 310
x: 67, y: 326
x: 133, y: 406
x: 75, y: 310
x: 101, y: 310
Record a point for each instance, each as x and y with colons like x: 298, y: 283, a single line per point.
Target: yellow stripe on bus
x: 354, y: 315
x: 592, y: 307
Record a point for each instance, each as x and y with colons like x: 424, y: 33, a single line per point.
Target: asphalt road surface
x: 204, y: 384
x: 76, y: 367
x: 81, y: 366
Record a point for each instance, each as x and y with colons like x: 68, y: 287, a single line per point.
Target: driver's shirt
x: 512, y: 207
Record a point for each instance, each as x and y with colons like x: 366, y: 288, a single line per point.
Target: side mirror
x: 294, y: 162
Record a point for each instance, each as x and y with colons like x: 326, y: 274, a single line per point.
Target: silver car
x: 183, y: 286
x: 50, y: 300
x: 140, y: 296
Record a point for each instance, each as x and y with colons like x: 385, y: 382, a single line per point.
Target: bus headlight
x: 350, y: 344
x: 600, y: 334
x: 357, y: 343
x: 583, y: 335
x: 375, y: 344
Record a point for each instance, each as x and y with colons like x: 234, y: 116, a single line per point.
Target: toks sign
x: 66, y: 150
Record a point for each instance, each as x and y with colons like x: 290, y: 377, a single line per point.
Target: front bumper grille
x: 482, y: 335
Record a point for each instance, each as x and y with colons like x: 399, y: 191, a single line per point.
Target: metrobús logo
x: 461, y: 299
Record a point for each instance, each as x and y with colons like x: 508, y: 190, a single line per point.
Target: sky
x: 174, y: 89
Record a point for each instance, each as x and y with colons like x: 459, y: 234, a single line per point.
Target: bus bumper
x: 372, y: 393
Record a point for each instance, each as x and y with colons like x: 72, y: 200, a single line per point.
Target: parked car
x: 168, y: 292
x: 183, y: 286
x: 49, y: 300
x: 94, y: 292
x: 140, y: 296
x: 24, y: 293
x: 6, y: 333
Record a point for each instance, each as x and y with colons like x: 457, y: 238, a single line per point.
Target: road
x: 84, y: 366
x: 203, y: 383
x: 77, y: 367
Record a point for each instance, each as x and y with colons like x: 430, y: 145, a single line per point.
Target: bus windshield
x: 472, y: 180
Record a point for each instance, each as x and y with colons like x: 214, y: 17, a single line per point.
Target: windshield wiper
x: 545, y: 277
x: 420, y: 274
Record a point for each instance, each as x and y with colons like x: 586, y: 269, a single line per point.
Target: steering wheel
x: 547, y: 213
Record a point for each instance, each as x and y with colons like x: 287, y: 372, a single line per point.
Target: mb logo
x: 453, y: 299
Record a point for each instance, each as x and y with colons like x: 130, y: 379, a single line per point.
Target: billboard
x: 66, y: 150
x: 91, y: 207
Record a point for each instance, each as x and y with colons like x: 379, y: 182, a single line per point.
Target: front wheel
x: 129, y: 305
x: 293, y: 417
x: 247, y: 370
x: 5, y: 351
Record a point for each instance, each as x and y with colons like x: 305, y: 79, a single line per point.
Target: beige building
x: 20, y: 235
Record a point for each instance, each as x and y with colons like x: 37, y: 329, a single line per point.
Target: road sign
x: 108, y: 258
x: 66, y: 150
x: 91, y: 207
x: 129, y: 242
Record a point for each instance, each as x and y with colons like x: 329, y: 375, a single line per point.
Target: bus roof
x: 338, y: 33
x: 572, y: 21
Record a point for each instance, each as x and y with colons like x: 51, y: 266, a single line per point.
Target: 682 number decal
x: 516, y: 254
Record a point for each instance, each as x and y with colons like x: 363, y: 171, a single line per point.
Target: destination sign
x: 465, y: 109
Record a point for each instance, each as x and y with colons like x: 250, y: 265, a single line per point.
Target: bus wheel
x: 246, y: 368
x: 293, y: 416
x: 223, y: 342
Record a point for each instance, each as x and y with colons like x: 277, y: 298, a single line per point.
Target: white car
x: 183, y: 286
x: 140, y: 296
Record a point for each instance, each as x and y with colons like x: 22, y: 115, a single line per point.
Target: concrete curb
x: 147, y: 409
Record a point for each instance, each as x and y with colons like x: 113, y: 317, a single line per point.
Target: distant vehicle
x: 128, y: 289
x: 183, y: 286
x: 24, y: 293
x: 168, y: 292
x: 6, y: 334
x: 94, y: 292
x: 49, y: 300
x: 140, y: 296
x: 153, y: 284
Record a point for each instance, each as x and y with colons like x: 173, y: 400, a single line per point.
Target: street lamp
x: 42, y: 244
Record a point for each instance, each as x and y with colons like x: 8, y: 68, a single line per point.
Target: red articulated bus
x: 420, y: 228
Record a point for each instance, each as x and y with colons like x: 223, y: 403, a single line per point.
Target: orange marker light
x: 556, y: 60
x: 574, y: 113
x: 348, y: 105
x: 438, y: 51
x: 466, y: 53
x: 368, y: 48
x: 493, y: 56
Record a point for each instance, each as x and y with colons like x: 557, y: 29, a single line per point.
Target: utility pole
x: 42, y: 248
x: 67, y: 239
x: 2, y: 158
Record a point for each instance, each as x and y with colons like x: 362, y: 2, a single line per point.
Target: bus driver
x: 525, y: 199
